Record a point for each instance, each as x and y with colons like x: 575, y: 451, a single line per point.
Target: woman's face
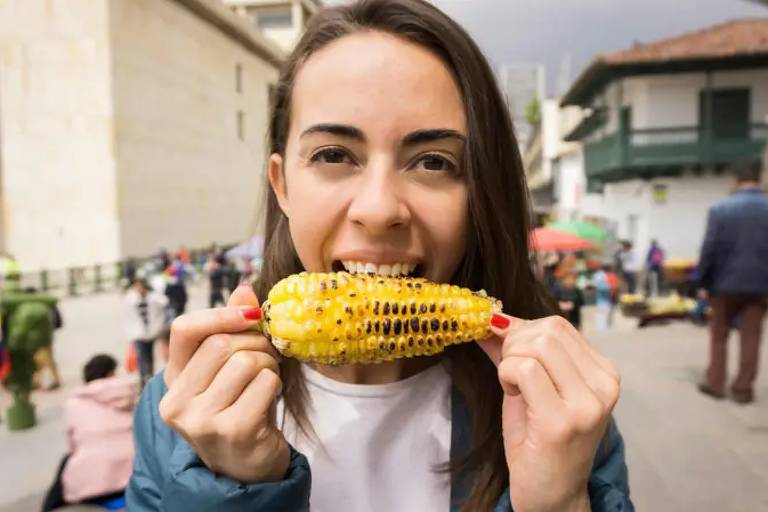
x: 372, y: 176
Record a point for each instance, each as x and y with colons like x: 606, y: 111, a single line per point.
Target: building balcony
x: 645, y: 153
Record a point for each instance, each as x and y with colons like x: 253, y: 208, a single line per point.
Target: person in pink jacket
x: 99, y: 424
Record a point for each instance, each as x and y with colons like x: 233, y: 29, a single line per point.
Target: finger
x: 553, y: 357
x: 233, y: 378
x: 190, y: 330
x: 501, y: 324
x: 215, y: 351
x: 605, y: 364
x: 255, y: 403
x: 536, y: 388
x: 243, y: 296
x: 600, y: 374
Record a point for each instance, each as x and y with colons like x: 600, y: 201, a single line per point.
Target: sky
x: 555, y: 32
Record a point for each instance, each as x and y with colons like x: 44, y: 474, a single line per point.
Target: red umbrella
x: 547, y: 239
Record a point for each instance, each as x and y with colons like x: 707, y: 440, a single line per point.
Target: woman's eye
x: 330, y: 156
x: 436, y: 163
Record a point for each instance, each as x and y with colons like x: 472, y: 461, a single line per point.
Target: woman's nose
x: 378, y: 205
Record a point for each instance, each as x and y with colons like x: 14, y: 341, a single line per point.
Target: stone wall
x: 57, y: 189
x: 187, y: 173
x: 123, y: 128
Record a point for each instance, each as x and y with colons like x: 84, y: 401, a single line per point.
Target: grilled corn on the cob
x: 340, y: 318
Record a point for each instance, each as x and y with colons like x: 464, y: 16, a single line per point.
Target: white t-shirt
x: 380, y: 444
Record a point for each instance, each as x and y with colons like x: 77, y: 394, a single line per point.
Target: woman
x: 392, y: 151
x: 98, y: 420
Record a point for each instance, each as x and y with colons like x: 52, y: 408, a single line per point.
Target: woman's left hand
x: 558, y: 397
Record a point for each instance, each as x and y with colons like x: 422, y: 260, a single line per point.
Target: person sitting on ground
x: 99, y: 425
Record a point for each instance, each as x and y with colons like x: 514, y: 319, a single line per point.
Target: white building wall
x: 673, y: 100
x: 571, y: 185
x: 678, y: 223
x: 184, y: 175
x: 56, y: 126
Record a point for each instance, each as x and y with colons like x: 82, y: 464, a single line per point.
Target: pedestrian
x: 144, y: 318
x: 176, y: 288
x: 399, y: 157
x: 184, y: 255
x: 232, y: 275
x: 163, y: 260
x: 570, y: 299
x: 605, y: 283
x: 216, y: 280
x: 130, y: 269
x: 551, y: 260
x: 628, y: 266
x: 734, y: 273
x: 654, y: 265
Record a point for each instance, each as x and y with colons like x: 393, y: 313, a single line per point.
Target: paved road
x: 685, y: 451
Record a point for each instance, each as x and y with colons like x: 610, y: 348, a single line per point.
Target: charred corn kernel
x: 339, y: 318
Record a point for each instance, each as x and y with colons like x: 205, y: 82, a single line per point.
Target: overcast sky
x: 551, y: 31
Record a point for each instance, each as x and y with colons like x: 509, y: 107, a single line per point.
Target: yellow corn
x: 341, y: 318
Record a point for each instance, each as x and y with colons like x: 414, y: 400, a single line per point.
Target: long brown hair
x: 496, y: 256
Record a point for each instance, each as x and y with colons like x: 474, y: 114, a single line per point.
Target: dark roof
x: 732, y: 45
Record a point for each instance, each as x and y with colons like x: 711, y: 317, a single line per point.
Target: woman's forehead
x: 376, y: 81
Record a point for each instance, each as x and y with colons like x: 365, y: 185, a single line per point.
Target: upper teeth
x: 387, y: 269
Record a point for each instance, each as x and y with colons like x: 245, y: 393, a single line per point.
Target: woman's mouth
x: 384, y: 269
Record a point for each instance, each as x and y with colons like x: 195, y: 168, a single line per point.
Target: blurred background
x: 132, y: 150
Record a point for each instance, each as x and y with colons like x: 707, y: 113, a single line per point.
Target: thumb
x: 501, y: 325
x: 243, y: 296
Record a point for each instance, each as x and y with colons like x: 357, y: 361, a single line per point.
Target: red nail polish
x: 252, y: 313
x: 499, y: 321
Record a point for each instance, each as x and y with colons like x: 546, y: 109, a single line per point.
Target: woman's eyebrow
x: 342, y: 130
x: 422, y: 136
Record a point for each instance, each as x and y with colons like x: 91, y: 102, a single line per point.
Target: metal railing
x: 685, y: 146
x: 84, y: 280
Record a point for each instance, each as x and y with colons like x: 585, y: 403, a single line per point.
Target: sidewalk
x: 685, y: 451
x: 92, y: 324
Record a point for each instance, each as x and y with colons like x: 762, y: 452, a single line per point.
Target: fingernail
x: 251, y: 313
x: 499, y: 321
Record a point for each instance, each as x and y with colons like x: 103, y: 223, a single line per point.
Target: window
x: 277, y: 18
x: 239, y: 78
x: 241, y: 125
x: 730, y: 114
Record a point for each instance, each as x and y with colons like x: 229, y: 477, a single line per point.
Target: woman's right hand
x: 222, y: 382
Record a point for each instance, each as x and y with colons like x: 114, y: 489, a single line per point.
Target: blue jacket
x: 169, y: 476
x: 734, y: 255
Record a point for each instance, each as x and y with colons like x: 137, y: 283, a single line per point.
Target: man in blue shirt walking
x: 733, y: 269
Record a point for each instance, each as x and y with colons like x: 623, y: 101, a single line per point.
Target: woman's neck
x: 381, y: 373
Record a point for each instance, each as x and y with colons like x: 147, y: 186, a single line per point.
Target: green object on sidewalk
x: 21, y: 415
x: 581, y: 229
x: 29, y: 328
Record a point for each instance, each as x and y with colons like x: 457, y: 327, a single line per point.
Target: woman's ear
x: 277, y: 181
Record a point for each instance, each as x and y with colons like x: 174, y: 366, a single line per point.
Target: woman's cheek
x: 311, y: 224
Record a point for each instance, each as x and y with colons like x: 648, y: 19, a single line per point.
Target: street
x: 684, y: 451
